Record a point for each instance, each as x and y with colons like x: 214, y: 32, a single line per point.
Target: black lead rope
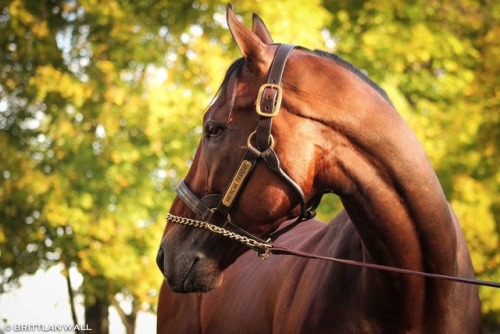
x: 282, y: 250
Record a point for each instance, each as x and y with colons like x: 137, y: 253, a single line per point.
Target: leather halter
x: 260, y: 146
x: 268, y: 106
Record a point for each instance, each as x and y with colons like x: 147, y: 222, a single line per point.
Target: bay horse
x: 288, y: 125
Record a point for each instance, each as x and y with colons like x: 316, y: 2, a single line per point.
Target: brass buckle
x: 276, y: 107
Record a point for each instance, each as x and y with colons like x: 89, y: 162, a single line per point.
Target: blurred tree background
x: 101, y: 105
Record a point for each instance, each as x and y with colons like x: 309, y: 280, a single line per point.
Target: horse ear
x: 251, y: 46
x: 260, y: 29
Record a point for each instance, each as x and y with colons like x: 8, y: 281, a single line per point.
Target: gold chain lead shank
x: 264, y: 247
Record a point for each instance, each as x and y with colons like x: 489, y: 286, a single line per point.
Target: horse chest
x: 283, y: 295
x: 291, y: 303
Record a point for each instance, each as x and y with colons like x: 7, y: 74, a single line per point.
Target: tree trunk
x: 71, y: 296
x: 128, y: 320
x: 96, y: 314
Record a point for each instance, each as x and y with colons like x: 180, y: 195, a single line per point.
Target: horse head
x: 236, y: 181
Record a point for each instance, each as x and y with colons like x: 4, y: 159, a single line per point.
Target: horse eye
x: 212, y: 130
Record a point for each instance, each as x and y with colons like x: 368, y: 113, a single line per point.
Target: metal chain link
x: 264, y: 247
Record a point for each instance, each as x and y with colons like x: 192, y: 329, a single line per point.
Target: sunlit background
x: 100, y: 112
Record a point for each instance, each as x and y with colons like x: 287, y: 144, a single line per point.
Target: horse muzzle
x: 189, y: 272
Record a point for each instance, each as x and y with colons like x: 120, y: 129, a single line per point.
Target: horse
x: 288, y: 125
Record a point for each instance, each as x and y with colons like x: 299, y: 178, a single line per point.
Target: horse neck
x: 385, y: 181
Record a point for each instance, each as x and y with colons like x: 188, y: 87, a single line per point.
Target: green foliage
x: 101, y: 105
x: 80, y: 184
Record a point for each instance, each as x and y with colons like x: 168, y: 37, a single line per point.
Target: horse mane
x: 238, y: 64
x: 347, y: 65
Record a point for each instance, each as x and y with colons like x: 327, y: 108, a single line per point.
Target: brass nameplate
x: 236, y: 183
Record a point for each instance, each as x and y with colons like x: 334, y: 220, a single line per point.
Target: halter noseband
x: 260, y: 145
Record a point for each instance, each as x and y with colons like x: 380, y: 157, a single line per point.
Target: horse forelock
x: 233, y: 70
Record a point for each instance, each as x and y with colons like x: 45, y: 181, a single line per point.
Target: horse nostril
x: 160, y: 257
